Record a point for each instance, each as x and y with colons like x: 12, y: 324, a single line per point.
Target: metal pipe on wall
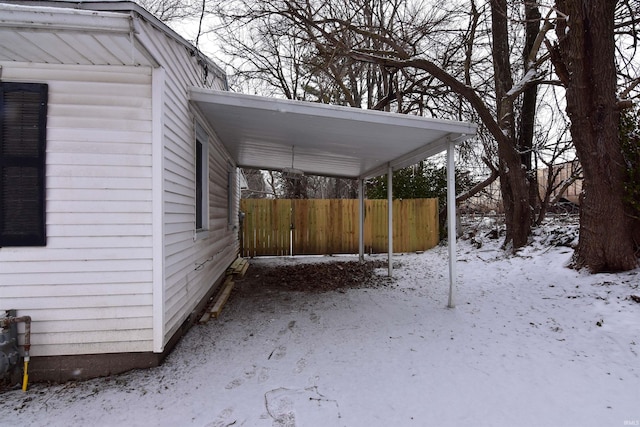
x: 8, y: 321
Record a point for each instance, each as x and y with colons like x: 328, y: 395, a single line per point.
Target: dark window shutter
x: 23, y: 130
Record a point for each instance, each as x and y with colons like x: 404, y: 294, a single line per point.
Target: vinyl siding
x: 191, y: 266
x: 90, y: 289
x: 93, y: 288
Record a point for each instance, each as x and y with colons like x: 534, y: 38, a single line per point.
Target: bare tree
x: 170, y: 10
x: 270, y: 56
x: 256, y: 184
x: 467, y: 59
x: 403, y: 50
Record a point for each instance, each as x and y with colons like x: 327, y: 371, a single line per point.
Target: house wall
x: 124, y: 268
x: 193, y: 262
x: 90, y: 289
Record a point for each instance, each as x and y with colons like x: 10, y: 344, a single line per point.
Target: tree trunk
x: 529, y: 105
x: 513, y: 181
x: 586, y: 42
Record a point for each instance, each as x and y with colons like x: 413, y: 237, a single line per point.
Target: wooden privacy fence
x: 321, y: 227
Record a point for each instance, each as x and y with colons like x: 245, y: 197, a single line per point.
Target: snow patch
x: 530, y: 343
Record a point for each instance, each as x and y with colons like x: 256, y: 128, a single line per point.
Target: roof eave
x: 274, y: 127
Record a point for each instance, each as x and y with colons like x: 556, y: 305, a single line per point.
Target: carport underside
x: 328, y: 140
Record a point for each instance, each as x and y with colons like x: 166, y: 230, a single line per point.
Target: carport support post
x: 451, y: 219
x: 361, y: 219
x: 390, y: 222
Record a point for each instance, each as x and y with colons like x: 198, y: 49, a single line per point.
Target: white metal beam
x: 390, y: 215
x: 451, y: 218
x: 361, y: 220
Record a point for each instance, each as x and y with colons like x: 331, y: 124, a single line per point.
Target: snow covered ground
x: 530, y: 343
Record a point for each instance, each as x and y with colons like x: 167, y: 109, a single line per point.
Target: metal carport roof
x: 321, y: 139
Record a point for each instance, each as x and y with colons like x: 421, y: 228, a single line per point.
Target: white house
x: 119, y: 146
x: 118, y: 204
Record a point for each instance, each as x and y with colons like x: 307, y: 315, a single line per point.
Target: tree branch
x: 457, y: 86
x: 478, y: 187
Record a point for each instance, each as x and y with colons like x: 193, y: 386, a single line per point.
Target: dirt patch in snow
x: 316, y: 277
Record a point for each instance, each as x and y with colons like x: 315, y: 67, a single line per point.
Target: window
x: 202, y: 179
x: 199, y: 184
x: 23, y: 129
x: 231, y: 198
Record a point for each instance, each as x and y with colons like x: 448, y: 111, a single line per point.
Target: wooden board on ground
x: 222, y: 297
x: 205, y: 317
x: 215, y: 306
x: 235, y: 264
x: 244, y: 266
x: 239, y: 267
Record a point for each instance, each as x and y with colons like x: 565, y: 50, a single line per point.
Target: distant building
x: 567, y: 180
x: 567, y: 184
